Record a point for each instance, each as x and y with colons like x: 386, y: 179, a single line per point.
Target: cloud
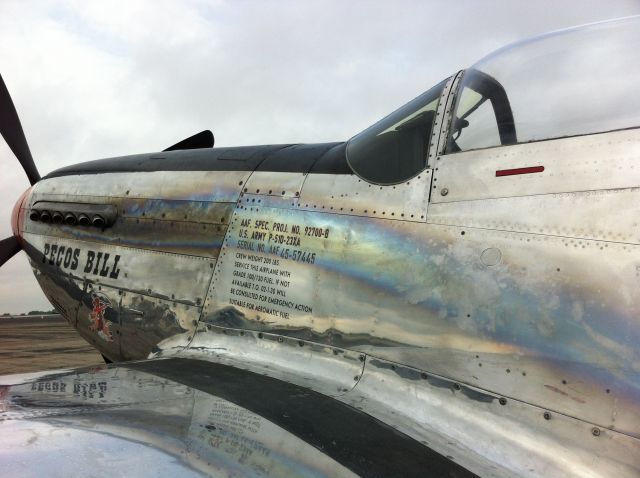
x: 98, y: 79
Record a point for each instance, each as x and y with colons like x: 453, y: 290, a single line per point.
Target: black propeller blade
x: 11, y: 131
x: 203, y: 139
x: 9, y: 247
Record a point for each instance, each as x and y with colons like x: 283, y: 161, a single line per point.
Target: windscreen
x: 395, y: 148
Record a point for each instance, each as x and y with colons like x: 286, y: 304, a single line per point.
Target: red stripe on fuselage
x: 513, y: 172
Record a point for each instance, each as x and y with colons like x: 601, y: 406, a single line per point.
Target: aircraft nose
x: 19, y: 212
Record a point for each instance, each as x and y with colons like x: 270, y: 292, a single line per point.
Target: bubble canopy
x: 571, y: 82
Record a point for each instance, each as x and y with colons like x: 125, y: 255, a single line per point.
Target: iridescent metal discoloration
x: 212, y: 186
x: 154, y: 264
x: 464, y: 300
x: 487, y: 306
x: 420, y: 295
x: 178, y: 212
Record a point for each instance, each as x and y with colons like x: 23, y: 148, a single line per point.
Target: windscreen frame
x: 360, y: 160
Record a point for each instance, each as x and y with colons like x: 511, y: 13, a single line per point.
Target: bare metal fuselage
x: 494, y: 317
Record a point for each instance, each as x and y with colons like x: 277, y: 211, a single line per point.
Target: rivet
x: 456, y: 386
x: 444, y: 191
x: 595, y: 432
x: 503, y: 401
x: 546, y: 415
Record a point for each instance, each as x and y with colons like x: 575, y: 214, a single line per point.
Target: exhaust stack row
x: 74, y: 214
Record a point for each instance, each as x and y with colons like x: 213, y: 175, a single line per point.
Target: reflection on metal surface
x: 469, y: 329
x: 147, y: 321
x: 493, y: 316
x: 329, y: 370
x: 126, y: 268
x: 301, y: 293
x: 143, y: 420
x: 466, y: 423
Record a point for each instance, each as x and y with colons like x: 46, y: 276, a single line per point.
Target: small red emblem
x: 98, y: 323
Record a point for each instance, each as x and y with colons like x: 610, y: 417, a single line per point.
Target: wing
x: 189, y: 418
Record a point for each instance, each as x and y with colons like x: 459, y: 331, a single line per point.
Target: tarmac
x: 35, y: 343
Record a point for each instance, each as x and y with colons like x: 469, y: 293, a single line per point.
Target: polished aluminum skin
x: 487, y: 306
x: 127, y: 422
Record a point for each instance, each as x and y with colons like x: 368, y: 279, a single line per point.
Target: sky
x: 108, y: 78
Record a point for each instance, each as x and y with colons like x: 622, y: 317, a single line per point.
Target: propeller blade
x: 9, y: 247
x: 203, y: 139
x: 11, y: 131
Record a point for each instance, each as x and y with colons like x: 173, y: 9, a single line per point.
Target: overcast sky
x: 99, y: 79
